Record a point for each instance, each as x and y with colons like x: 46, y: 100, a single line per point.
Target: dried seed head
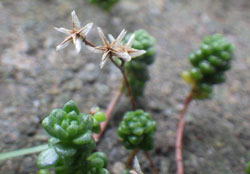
x: 115, y: 47
x: 75, y: 35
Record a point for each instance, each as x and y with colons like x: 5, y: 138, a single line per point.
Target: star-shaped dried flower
x: 75, y: 35
x: 114, y: 47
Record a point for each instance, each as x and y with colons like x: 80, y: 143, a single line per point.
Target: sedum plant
x: 137, y: 69
x: 105, y: 4
x: 210, y: 62
x: 72, y: 143
x: 137, y: 130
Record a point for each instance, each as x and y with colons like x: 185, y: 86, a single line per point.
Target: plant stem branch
x: 126, y: 82
x: 179, y: 135
x: 131, y: 157
x: 152, y: 165
x: 109, y: 112
x: 87, y: 42
x: 26, y: 151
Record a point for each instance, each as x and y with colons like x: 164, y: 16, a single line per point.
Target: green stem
x: 26, y: 151
x: 126, y: 82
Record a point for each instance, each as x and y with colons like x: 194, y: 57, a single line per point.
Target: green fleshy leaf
x: 43, y: 171
x: 84, y: 139
x: 65, y: 150
x: 96, y: 162
x: 57, y: 115
x: 96, y: 127
x: 103, y: 171
x: 73, y: 129
x: 99, y: 155
x: 100, y: 116
x: 71, y: 106
x: 60, y: 132
x: 47, y: 159
x: 72, y: 115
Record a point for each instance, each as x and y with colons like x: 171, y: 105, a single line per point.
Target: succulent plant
x: 137, y: 129
x: 137, y: 69
x: 70, y: 148
x: 210, y: 62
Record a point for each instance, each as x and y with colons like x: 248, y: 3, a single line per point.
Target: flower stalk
x: 109, y: 112
x: 126, y: 82
x: 180, y: 133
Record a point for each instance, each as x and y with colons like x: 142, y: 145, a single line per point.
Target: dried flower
x: 115, y: 47
x: 76, y: 35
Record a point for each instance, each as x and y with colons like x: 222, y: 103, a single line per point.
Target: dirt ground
x: 34, y: 78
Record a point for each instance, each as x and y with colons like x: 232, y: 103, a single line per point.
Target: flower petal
x: 63, y: 30
x: 75, y: 20
x: 88, y: 28
x: 62, y: 45
x: 137, y: 53
x: 104, y: 59
x: 102, y: 36
x: 111, y: 38
x: 123, y: 55
x: 78, y: 45
x: 131, y: 40
x: 121, y: 36
x: 85, y: 30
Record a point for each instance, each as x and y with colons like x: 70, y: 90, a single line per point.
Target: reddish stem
x: 132, y: 99
x: 109, y: 112
x: 87, y: 42
x: 179, y: 135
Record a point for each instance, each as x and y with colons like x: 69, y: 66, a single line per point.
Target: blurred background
x: 34, y: 78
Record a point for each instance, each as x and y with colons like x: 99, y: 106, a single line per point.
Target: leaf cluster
x: 72, y: 143
x: 137, y: 130
x: 210, y: 62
